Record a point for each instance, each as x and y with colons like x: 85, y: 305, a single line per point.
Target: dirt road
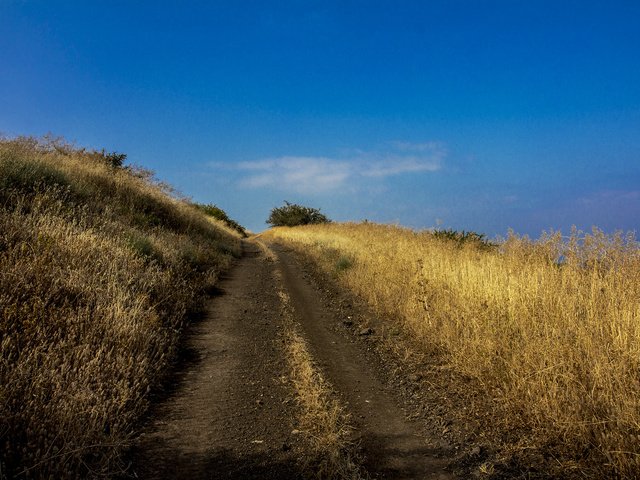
x: 231, y: 413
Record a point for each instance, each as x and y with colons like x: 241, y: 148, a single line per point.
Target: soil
x: 230, y: 413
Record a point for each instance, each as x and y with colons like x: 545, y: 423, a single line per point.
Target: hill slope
x: 99, y: 266
x: 547, y: 331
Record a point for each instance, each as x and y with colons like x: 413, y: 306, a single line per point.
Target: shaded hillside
x: 99, y: 266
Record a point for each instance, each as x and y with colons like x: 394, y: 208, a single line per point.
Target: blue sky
x: 476, y: 115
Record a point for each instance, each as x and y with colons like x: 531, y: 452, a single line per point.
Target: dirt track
x: 231, y: 412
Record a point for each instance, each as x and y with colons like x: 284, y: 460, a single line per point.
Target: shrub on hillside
x: 291, y: 215
x: 115, y: 159
x: 463, y: 237
x: 219, y: 214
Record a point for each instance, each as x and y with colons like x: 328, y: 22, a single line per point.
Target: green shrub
x: 219, y: 214
x: 142, y: 246
x: 291, y: 215
x: 344, y: 263
x: 114, y: 159
x: 463, y: 237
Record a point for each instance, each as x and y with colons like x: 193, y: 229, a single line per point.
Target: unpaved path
x: 228, y: 415
x: 231, y: 415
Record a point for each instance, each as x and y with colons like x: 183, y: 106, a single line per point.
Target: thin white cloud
x: 399, y: 165
x: 418, y: 147
x: 609, y: 197
x: 404, y: 157
x: 298, y: 174
x: 323, y: 174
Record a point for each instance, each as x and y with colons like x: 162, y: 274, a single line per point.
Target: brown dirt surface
x: 230, y: 413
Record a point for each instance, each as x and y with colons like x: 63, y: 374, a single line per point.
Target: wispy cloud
x: 322, y: 174
x: 399, y: 165
x: 299, y: 174
x: 611, y: 197
x: 418, y: 147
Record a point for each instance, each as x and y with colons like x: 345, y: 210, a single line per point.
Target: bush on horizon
x: 292, y: 214
x: 463, y: 237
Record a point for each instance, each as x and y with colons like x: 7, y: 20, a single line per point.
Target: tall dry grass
x: 98, y: 269
x: 550, y: 327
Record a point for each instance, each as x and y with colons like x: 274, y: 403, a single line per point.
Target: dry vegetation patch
x: 99, y: 266
x: 550, y: 328
x: 323, y: 421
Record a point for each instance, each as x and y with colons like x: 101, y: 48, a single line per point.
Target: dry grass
x: 551, y: 328
x: 322, y: 420
x: 98, y: 269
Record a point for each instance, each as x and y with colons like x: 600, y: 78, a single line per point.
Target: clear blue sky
x: 479, y: 115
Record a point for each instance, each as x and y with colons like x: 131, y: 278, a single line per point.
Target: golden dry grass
x: 98, y: 269
x: 322, y: 420
x: 555, y: 339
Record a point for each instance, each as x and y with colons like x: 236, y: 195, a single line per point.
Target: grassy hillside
x: 99, y: 267
x: 549, y: 328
